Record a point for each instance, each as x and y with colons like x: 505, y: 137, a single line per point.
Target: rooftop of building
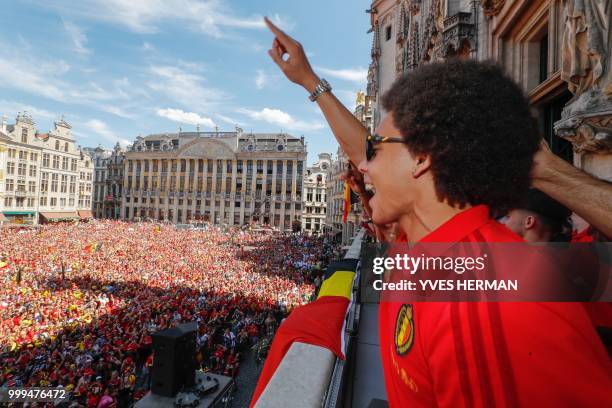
x: 219, y: 135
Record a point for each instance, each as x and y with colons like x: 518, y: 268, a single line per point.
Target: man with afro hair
x: 456, y: 146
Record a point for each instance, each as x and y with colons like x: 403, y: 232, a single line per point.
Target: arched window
x: 66, y: 146
x: 57, y: 145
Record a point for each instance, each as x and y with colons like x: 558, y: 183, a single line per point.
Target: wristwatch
x: 322, y: 86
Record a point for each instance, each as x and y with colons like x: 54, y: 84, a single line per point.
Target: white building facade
x: 45, y: 177
x: 230, y: 178
x: 315, y: 195
x: 108, y: 179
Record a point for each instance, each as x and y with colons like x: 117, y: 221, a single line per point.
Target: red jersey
x: 470, y: 354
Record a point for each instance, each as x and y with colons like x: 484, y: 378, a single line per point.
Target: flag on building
x: 347, y: 202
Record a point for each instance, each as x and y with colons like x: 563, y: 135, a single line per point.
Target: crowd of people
x: 79, y: 303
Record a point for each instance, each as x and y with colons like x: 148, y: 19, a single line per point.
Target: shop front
x: 18, y: 218
x: 58, y: 216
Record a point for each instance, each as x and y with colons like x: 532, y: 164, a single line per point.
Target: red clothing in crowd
x: 582, y: 236
x: 492, y: 354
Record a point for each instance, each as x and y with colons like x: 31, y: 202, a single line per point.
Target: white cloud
x: 185, y: 87
x: 359, y: 74
x: 101, y: 129
x: 78, y: 37
x: 19, y: 71
x: 11, y: 108
x: 211, y: 17
x: 280, y: 118
x: 117, y: 111
x: 97, y: 92
x: 47, y: 78
x: 260, y: 79
x: 190, y: 118
x: 228, y: 120
x: 255, y: 47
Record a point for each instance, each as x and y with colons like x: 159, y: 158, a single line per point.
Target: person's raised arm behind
x: 349, y: 132
x: 582, y: 193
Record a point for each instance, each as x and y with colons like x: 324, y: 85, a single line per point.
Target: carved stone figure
x: 587, y: 133
x: 586, y: 45
x: 207, y: 149
x: 586, y: 120
x: 492, y: 7
x: 360, y: 99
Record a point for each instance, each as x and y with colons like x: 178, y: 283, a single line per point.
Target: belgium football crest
x: 404, y: 330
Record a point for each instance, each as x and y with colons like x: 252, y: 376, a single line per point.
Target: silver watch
x: 322, y: 86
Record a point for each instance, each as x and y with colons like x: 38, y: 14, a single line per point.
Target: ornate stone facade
x: 558, y: 50
x: 45, y: 177
x: 492, y: 7
x: 228, y: 178
x: 343, y: 232
x: 586, y: 120
x: 108, y: 179
x: 315, y: 191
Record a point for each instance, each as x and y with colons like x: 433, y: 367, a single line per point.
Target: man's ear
x: 422, y: 164
x: 529, y: 222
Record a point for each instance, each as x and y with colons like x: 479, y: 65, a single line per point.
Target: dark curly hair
x: 475, y: 124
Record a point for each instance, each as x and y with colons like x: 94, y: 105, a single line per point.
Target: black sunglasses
x: 372, y: 140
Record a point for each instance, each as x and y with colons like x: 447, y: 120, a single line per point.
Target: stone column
x: 283, y: 188
x: 203, y: 208
x: 123, y: 196
x: 224, y: 191
x: 214, y: 194
x: 273, y: 193
x: 293, y: 191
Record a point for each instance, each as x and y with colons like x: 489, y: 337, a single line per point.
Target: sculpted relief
x: 586, y: 67
x: 207, y: 149
x: 492, y: 7
x: 586, y: 46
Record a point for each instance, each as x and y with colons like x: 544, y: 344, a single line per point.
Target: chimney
x: 4, y: 119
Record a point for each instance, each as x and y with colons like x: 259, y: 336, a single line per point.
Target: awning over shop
x: 17, y: 218
x: 85, y: 214
x: 60, y: 216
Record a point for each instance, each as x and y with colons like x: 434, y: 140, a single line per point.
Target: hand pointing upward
x: 296, y: 66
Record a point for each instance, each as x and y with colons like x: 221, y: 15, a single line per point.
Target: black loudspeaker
x: 174, y: 362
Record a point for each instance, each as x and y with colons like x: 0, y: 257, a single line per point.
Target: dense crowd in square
x: 79, y: 303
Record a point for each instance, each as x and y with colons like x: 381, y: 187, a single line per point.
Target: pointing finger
x: 280, y: 34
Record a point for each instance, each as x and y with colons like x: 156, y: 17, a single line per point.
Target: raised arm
x: 582, y: 193
x: 349, y: 132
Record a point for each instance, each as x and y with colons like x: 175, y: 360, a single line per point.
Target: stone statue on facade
x: 492, y: 7
x: 586, y: 120
x: 586, y: 45
x: 360, y: 99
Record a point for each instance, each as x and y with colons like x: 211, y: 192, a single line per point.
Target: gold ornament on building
x: 492, y: 7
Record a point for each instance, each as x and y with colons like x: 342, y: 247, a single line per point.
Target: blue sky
x: 120, y: 68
